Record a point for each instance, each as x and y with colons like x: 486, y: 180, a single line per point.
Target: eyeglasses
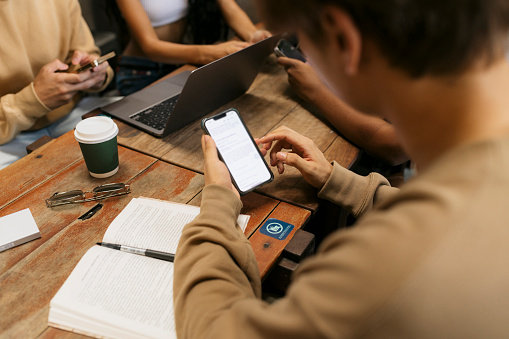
x: 98, y: 193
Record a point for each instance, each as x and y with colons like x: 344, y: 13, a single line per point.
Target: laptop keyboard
x: 157, y: 115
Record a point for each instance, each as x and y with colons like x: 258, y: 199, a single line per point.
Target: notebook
x: 174, y: 102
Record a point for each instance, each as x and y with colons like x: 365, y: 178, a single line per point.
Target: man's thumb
x: 57, y: 65
x: 290, y: 159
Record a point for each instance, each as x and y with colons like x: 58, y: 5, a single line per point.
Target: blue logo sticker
x: 276, y: 228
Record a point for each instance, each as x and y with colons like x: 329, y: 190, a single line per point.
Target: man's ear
x: 347, y: 35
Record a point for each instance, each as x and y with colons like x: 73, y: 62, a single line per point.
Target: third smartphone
x: 238, y: 150
x: 286, y: 49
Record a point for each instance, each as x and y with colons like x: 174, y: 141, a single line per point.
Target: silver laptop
x: 173, y: 103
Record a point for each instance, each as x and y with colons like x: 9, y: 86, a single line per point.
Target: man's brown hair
x: 421, y: 37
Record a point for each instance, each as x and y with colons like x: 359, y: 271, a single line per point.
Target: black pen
x: 148, y: 253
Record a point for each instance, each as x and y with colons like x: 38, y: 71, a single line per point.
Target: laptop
x: 176, y: 101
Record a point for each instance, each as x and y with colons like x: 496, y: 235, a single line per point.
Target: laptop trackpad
x: 157, y: 92
x: 126, y: 106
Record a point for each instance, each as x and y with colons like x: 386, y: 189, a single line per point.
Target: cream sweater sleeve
x: 214, y: 259
x: 216, y: 286
x: 82, y: 40
x: 355, y: 193
x: 18, y: 112
x: 65, y: 32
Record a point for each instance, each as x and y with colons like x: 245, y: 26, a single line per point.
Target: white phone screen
x: 239, y: 152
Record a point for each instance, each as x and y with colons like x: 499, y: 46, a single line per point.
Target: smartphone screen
x: 238, y: 150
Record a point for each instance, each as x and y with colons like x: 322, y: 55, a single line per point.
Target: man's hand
x: 304, y: 155
x: 215, y: 170
x: 259, y: 35
x: 213, y: 52
x: 303, y: 79
x: 55, y: 89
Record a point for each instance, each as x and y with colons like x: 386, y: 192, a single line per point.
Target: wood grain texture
x: 31, y: 279
x: 31, y: 274
x: 267, y: 249
x: 37, y: 167
x: 257, y: 206
x: 261, y: 108
x: 52, y: 220
x: 268, y: 104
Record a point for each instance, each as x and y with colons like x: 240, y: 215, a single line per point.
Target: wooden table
x: 268, y: 104
x: 32, y: 273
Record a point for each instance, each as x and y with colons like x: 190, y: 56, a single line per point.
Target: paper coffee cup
x: 97, y: 137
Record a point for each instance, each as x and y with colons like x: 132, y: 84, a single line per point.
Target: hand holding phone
x: 90, y: 65
x: 238, y: 150
x: 285, y: 49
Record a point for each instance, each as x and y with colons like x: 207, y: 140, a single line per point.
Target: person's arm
x: 356, y: 193
x: 373, y: 134
x: 240, y: 22
x: 50, y: 90
x: 216, y: 289
x: 82, y: 50
x: 18, y: 111
x: 165, y: 51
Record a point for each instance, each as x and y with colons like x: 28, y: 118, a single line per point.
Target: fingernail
x: 281, y: 156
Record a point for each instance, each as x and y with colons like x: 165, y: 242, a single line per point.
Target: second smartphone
x: 238, y: 150
x: 286, y: 49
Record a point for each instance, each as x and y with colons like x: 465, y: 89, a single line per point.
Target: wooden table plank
x: 32, y: 273
x: 256, y: 205
x: 261, y: 108
x: 37, y: 167
x: 290, y: 186
x: 260, y: 208
x: 268, y: 249
x: 52, y: 220
x: 269, y: 103
x: 28, y: 286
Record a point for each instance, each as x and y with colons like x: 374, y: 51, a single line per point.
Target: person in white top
x: 157, y: 28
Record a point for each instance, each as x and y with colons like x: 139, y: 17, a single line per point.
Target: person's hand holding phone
x: 215, y: 170
x: 238, y: 150
x: 303, y: 79
x: 97, y: 73
x: 55, y: 87
x: 303, y: 155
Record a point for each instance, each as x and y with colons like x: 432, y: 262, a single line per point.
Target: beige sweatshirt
x: 34, y: 33
x: 428, y: 261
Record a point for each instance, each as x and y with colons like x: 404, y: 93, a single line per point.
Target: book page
x: 116, y: 294
x: 154, y: 224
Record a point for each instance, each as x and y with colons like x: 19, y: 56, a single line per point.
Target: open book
x: 123, y: 295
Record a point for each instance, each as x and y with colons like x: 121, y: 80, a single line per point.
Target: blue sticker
x: 276, y: 228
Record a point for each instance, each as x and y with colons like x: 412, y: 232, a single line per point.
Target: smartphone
x: 238, y: 150
x: 90, y: 65
x: 286, y: 49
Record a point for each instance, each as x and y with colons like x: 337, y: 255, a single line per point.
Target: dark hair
x: 421, y: 37
x: 205, y: 22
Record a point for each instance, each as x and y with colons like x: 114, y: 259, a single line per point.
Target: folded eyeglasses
x: 98, y: 193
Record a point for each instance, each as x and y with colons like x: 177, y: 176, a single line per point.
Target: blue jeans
x: 135, y: 73
x: 16, y: 148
